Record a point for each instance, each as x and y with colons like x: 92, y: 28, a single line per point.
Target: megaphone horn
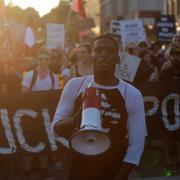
x: 90, y: 139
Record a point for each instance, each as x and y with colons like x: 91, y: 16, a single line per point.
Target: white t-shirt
x: 40, y: 85
x: 136, y: 126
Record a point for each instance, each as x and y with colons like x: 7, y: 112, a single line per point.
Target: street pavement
x: 150, y: 168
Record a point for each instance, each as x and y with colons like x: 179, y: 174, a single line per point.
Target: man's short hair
x: 107, y: 36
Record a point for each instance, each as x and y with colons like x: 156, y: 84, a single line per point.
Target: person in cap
x: 174, y: 43
x: 171, y: 70
x: 122, y: 117
x: 41, y: 78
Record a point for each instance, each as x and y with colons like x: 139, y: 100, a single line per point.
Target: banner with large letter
x: 25, y: 119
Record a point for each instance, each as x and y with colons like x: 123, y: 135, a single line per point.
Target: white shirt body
x: 136, y: 126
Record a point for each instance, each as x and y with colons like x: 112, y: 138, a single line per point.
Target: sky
x: 42, y: 6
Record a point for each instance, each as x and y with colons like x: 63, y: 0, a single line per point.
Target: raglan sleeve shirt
x: 65, y: 106
x: 136, y: 126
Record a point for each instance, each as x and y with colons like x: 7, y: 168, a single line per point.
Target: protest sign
x: 55, y: 35
x: 165, y: 27
x: 115, y: 27
x: 132, y: 31
x: 127, y: 67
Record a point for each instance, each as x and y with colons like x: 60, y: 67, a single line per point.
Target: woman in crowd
x: 41, y: 78
x: 82, y: 63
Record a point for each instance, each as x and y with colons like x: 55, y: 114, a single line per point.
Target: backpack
x: 34, y: 78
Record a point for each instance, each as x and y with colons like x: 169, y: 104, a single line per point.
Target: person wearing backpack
x: 41, y: 78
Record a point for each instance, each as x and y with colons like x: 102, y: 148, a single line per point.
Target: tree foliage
x: 61, y: 14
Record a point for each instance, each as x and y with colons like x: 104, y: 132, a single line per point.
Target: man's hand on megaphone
x: 65, y: 122
x: 66, y: 126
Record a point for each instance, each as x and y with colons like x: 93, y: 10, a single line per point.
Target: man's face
x: 105, y: 53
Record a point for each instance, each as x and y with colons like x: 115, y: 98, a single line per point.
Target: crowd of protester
x: 50, y: 69
x: 76, y: 61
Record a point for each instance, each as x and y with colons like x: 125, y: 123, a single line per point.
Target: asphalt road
x: 150, y: 168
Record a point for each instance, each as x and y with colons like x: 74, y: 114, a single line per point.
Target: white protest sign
x: 115, y: 27
x: 132, y: 31
x: 55, y: 35
x: 127, y: 67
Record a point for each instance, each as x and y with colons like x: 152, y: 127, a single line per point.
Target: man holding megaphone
x: 107, y: 116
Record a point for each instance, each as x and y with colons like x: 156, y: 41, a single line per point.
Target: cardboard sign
x: 165, y: 27
x: 55, y: 35
x: 127, y: 67
x: 115, y: 27
x: 132, y: 31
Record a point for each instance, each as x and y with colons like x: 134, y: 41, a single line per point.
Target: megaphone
x: 90, y: 139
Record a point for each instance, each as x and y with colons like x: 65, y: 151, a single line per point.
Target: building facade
x: 148, y: 10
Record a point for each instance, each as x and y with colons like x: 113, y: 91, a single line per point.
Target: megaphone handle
x: 76, y: 117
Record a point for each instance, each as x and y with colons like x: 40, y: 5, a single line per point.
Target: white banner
x: 127, y: 67
x: 55, y: 35
x: 132, y: 31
